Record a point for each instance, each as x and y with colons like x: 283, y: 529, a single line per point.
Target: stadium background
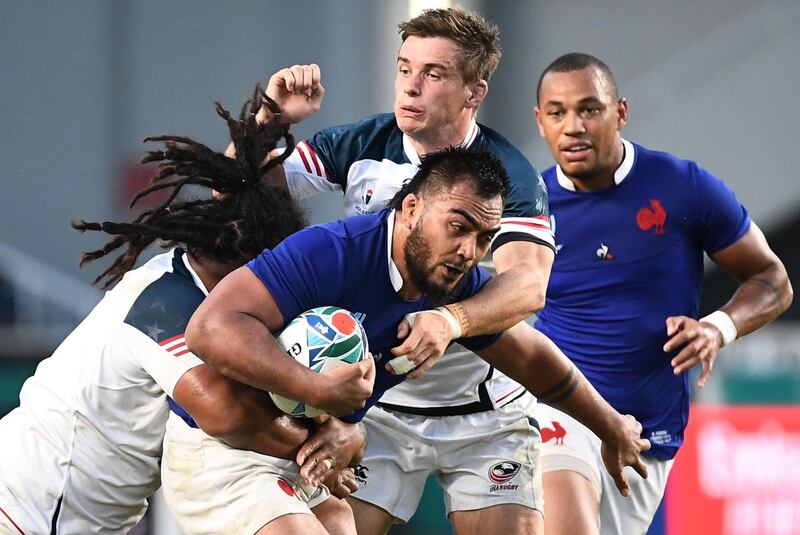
x: 81, y: 83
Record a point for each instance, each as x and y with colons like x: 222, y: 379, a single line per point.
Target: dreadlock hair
x: 441, y: 170
x: 245, y: 217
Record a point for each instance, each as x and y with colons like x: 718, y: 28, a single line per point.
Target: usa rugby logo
x: 503, y: 472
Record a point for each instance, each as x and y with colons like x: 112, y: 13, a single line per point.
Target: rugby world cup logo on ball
x: 322, y: 338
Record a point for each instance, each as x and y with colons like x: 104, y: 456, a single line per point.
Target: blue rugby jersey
x: 628, y: 258
x: 368, y: 161
x: 347, y: 263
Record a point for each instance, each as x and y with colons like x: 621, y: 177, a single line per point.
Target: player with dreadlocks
x: 82, y: 451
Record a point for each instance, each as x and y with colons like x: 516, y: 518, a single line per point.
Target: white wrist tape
x: 724, y: 323
x: 452, y: 322
x: 402, y: 364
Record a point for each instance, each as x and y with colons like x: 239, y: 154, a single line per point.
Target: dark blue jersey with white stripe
x: 628, y: 258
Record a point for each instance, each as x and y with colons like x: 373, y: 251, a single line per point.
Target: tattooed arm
x: 530, y: 358
x: 764, y: 293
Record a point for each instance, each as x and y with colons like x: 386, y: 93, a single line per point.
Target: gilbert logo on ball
x: 322, y: 339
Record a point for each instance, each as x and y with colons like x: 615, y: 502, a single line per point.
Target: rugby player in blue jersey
x: 420, y: 255
x: 623, y: 299
x: 443, y: 67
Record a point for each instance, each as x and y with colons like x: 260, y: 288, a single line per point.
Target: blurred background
x: 83, y: 82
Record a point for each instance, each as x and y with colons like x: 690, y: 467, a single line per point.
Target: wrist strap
x: 452, y: 322
x: 458, y: 312
x: 724, y: 323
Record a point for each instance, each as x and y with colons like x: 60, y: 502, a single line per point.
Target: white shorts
x: 569, y: 445
x: 211, y: 488
x: 480, y: 460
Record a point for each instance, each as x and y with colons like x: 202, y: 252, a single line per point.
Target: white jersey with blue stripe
x: 368, y: 162
x: 82, y: 451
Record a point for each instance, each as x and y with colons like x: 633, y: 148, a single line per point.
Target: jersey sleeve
x: 164, y: 361
x: 478, y: 279
x: 526, y: 216
x: 306, y: 270
x: 153, y: 330
x: 321, y: 163
x: 722, y: 219
x: 306, y: 174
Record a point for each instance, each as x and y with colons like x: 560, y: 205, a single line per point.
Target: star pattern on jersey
x: 153, y: 331
x: 157, y: 322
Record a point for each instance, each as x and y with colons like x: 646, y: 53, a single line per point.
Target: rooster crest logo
x: 557, y: 433
x: 655, y: 216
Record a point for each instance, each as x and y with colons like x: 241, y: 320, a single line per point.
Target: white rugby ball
x: 321, y: 339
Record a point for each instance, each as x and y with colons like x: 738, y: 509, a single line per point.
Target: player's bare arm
x: 239, y: 415
x: 764, y: 293
x: 517, y: 291
x: 532, y: 359
x: 244, y: 418
x: 232, y: 332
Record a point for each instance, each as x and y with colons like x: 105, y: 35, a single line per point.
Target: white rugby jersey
x: 368, y: 162
x: 82, y: 451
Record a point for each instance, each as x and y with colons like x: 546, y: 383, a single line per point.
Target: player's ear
x: 412, y: 207
x: 622, y: 112
x: 537, y: 114
x: 476, y: 92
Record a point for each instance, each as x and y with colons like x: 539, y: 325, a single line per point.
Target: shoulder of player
x: 163, y: 308
x: 370, y: 137
x: 665, y: 162
x: 344, y: 235
x: 513, y: 159
x: 369, y: 226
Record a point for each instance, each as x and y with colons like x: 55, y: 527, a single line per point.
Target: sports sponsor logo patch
x: 603, y: 253
x: 501, y: 473
x: 361, y: 473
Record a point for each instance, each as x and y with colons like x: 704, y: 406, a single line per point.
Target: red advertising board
x: 738, y: 473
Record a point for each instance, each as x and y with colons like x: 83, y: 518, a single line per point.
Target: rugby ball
x: 321, y: 339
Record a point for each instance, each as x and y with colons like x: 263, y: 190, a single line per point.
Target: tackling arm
x: 232, y: 332
x: 244, y: 418
x: 516, y: 292
x: 529, y: 357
